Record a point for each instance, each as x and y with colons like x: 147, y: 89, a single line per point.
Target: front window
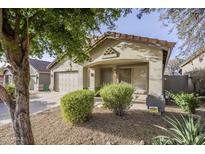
x: 125, y: 75
x: 107, y: 76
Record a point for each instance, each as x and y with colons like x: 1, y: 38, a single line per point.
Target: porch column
x: 115, y: 77
x: 92, y: 79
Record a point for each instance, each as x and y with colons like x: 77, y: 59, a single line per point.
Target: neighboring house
x: 39, y: 74
x: 116, y: 57
x: 194, y: 67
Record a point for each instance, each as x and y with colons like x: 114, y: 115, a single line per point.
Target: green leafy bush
x: 183, y: 131
x: 117, y: 97
x: 76, y: 107
x: 188, y: 102
x: 11, y: 89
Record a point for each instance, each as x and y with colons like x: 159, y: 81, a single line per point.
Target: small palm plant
x: 186, y: 131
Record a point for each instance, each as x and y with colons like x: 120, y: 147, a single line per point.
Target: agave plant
x: 183, y: 131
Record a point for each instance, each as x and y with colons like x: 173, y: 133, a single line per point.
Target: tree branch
x: 7, y: 30
x: 11, y: 104
x: 25, y: 42
x: 195, y: 25
x: 17, y: 24
x: 33, y: 16
x: 4, y: 96
x: 1, y: 23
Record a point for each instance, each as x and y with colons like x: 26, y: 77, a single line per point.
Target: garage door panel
x: 66, y: 81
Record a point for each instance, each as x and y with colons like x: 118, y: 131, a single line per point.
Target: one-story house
x: 194, y: 67
x: 116, y: 57
x: 39, y: 74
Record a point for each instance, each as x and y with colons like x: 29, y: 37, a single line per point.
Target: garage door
x: 66, y: 81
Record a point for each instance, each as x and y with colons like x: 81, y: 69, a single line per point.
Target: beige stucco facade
x: 195, y: 69
x: 139, y: 64
x: 198, y: 63
x: 130, y: 55
x: 67, y: 66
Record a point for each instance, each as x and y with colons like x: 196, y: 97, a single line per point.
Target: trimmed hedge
x: 188, y: 102
x: 77, y: 106
x: 117, y: 97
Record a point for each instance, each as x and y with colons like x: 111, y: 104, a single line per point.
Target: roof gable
x: 134, y: 38
x: 39, y: 65
x: 194, y: 56
x: 165, y: 45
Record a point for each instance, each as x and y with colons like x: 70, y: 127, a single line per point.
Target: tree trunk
x: 16, y: 50
x: 11, y: 104
x: 22, y: 118
x: 19, y: 109
x: 21, y: 75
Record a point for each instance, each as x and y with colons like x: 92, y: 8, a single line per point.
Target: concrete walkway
x: 42, y: 101
x: 38, y: 102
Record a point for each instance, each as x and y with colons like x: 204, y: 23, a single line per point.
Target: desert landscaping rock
x: 136, y: 127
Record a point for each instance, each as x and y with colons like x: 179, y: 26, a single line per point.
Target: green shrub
x: 117, y: 97
x: 188, y: 102
x: 11, y: 89
x: 183, y: 131
x: 76, y: 107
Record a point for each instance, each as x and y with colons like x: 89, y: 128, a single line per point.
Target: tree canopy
x: 189, y: 23
x: 173, y: 66
x: 57, y: 31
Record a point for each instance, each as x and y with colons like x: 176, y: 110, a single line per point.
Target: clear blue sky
x: 148, y: 26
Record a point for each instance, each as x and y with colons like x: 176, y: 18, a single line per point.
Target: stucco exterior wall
x: 195, y: 69
x: 33, y: 71
x: 129, y: 53
x: 34, y: 81
x: 132, y: 52
x: 197, y: 64
x: 64, y: 66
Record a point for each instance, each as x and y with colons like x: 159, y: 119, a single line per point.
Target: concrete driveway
x: 39, y: 102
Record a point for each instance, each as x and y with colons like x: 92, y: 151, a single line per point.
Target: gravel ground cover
x: 136, y: 127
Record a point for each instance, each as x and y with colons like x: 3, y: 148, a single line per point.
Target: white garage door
x: 66, y: 81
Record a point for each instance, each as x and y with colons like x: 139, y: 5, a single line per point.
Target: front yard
x: 136, y: 127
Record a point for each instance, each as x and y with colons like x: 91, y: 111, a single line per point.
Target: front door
x: 106, y: 76
x: 140, y: 78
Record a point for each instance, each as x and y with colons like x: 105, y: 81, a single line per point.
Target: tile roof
x: 135, y: 38
x: 115, y: 35
x: 39, y: 65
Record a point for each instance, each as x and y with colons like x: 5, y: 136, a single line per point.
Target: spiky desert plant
x: 183, y: 131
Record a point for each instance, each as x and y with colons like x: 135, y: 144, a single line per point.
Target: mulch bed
x: 136, y: 127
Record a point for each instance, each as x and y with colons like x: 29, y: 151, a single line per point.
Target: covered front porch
x: 135, y: 73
